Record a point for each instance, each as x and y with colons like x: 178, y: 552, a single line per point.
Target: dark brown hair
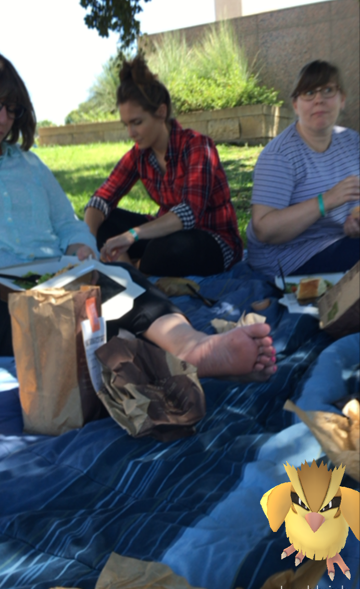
x: 13, y: 89
x: 314, y: 74
x: 138, y: 84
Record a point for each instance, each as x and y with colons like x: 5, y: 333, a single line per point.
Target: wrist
x: 321, y: 204
x: 134, y: 234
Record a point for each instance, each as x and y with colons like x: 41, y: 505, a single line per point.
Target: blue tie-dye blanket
x: 66, y: 503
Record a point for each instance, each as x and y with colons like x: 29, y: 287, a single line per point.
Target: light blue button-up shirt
x: 36, y: 218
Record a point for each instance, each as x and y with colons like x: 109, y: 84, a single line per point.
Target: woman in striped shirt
x: 306, y: 183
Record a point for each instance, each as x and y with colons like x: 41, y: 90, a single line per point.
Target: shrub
x: 212, y: 74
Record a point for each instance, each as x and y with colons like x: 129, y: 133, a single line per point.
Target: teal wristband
x: 134, y: 234
x: 321, y: 205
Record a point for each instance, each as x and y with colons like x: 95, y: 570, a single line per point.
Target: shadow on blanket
x: 194, y: 504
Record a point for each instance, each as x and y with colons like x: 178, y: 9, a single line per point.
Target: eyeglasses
x: 328, y: 91
x: 14, y: 111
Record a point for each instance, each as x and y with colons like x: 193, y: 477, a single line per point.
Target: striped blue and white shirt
x: 287, y: 172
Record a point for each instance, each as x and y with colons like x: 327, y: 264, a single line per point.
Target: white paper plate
x: 290, y: 301
x: 334, y: 278
x: 114, y: 308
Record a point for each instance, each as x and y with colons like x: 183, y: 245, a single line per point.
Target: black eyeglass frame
x: 15, y: 112
x: 320, y: 89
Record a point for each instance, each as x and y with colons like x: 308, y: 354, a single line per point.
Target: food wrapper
x: 221, y: 325
x: 337, y: 434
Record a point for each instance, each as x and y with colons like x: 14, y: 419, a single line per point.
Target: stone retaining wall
x: 253, y: 124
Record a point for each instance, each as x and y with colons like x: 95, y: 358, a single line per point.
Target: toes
x: 267, y: 350
x: 266, y: 360
x: 265, y: 371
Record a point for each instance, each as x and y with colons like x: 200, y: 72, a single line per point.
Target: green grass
x: 81, y: 169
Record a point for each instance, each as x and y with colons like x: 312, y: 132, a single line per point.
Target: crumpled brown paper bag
x: 122, y: 572
x: 337, y: 434
x: 306, y: 576
x: 221, y: 325
x: 148, y: 391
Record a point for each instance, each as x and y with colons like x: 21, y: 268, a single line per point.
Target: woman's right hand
x: 116, y: 246
x: 345, y: 191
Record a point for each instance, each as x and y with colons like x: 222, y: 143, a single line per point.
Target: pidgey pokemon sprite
x: 317, y: 513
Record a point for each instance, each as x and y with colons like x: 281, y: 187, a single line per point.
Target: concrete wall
x: 228, y: 9
x: 282, y: 42
x: 254, y: 124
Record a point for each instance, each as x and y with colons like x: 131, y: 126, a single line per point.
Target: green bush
x: 212, y: 74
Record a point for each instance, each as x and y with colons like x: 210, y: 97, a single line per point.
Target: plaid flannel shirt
x: 194, y: 187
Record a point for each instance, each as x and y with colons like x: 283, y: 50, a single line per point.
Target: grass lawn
x: 81, y: 169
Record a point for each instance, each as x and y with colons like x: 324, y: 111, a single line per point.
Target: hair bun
x: 137, y: 71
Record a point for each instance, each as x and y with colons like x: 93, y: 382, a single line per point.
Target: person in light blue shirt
x: 37, y: 220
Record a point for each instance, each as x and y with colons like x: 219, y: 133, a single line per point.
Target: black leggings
x: 148, y: 307
x: 179, y: 254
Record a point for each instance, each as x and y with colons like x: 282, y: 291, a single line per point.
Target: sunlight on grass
x: 81, y: 169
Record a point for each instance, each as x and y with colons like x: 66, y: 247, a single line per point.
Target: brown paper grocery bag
x: 56, y: 393
x: 148, y: 391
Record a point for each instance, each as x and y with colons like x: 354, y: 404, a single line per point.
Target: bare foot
x: 243, y: 351
x: 338, y: 560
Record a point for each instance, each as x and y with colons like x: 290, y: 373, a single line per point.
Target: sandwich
x: 311, y: 288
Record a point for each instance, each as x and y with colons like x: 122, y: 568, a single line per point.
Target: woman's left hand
x: 84, y: 252
x: 116, y: 246
x: 352, y: 226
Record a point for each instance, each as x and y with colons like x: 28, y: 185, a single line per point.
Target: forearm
x: 94, y: 218
x: 168, y: 223
x: 275, y: 226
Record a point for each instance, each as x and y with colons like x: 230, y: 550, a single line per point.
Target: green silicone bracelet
x: 321, y: 205
x: 135, y: 235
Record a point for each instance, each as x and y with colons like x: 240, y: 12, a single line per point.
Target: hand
x: 345, y: 191
x: 352, y: 226
x: 116, y: 246
x: 84, y: 252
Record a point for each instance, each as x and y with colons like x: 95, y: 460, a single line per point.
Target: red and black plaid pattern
x: 194, y: 186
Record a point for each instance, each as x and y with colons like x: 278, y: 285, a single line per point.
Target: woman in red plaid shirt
x: 195, y: 230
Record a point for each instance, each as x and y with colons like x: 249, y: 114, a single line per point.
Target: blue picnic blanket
x: 66, y: 503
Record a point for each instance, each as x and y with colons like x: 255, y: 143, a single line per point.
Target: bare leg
x: 338, y: 560
x: 241, y: 351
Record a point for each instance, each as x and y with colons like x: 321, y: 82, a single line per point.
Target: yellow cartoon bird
x: 317, y: 513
